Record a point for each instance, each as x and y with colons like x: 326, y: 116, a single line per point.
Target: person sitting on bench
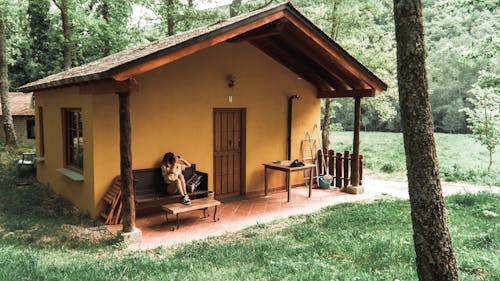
x: 171, y: 169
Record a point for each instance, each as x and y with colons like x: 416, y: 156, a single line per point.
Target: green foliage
x: 484, y: 117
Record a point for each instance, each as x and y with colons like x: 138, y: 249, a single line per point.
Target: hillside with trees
x: 47, y: 36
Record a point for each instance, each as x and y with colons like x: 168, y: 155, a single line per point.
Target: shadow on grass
x: 33, y: 215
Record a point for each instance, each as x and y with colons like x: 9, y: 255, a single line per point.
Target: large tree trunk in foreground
x: 431, y: 237
x: 7, y: 122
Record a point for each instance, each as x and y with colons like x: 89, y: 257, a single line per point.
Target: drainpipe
x: 289, y: 136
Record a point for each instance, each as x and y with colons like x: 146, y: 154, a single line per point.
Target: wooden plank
x: 338, y: 170
x: 346, y: 168
x: 193, y: 48
x: 197, y: 204
x: 352, y: 93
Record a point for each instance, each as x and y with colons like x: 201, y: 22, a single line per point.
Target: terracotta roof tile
x: 20, y: 104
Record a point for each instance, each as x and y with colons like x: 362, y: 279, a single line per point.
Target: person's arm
x: 184, y: 162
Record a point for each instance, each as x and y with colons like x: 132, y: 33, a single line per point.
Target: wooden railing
x: 339, y: 166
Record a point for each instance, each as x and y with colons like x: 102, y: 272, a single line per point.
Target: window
x: 73, y: 138
x: 30, y: 127
x: 40, y: 132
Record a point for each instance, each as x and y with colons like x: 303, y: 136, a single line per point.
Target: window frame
x: 30, y: 129
x: 41, y: 140
x: 71, y: 160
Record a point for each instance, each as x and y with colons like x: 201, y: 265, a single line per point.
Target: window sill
x: 40, y: 159
x: 72, y: 175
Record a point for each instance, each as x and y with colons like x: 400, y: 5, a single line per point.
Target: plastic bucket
x: 323, y: 183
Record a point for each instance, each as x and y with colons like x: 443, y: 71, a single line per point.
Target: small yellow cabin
x: 217, y: 95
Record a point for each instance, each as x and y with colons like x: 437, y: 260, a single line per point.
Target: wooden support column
x: 128, y: 200
x: 355, y: 143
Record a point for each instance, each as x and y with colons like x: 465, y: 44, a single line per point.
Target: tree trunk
x: 128, y: 200
x: 325, y: 133
x: 170, y: 18
x: 66, y: 29
x: 234, y: 8
x: 105, y: 16
x: 435, y: 259
x: 8, y: 123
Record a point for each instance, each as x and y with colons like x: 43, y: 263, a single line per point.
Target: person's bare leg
x: 182, y: 191
x: 183, y: 183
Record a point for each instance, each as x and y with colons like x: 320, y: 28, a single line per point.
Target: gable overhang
x: 281, y: 32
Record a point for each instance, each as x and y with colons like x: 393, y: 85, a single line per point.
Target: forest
x: 46, y: 36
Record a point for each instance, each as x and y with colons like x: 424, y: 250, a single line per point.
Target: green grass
x: 460, y: 157
x: 43, y: 237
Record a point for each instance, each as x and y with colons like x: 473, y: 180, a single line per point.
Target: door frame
x: 243, y: 145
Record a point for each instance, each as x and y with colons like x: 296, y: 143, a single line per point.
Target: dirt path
x: 399, y: 189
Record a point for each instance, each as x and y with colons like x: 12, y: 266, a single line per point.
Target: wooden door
x: 229, y: 128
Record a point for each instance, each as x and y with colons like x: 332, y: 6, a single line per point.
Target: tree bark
x: 128, y: 200
x: 170, y: 18
x: 234, y: 8
x: 66, y: 29
x: 433, y: 246
x: 325, y: 133
x: 8, y: 123
x: 355, y: 143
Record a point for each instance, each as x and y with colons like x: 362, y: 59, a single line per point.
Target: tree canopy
x: 461, y: 40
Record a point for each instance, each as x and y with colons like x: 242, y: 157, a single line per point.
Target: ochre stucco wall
x: 52, y: 102
x: 173, y: 111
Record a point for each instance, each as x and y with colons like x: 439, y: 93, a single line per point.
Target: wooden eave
x: 281, y: 32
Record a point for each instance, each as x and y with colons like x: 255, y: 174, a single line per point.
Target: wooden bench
x: 150, y: 189
x: 197, y: 204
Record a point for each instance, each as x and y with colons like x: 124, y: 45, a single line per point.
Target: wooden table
x: 196, y: 204
x: 288, y: 170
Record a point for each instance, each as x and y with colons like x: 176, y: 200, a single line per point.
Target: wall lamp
x: 231, y: 81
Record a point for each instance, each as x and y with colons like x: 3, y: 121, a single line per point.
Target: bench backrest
x: 150, y: 181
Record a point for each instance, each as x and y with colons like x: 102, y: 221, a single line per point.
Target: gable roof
x: 280, y: 31
x: 20, y: 104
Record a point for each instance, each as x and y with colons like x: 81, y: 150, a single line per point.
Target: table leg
x: 177, y: 217
x: 166, y: 216
x: 288, y: 185
x: 265, y: 181
x: 311, y: 183
x: 215, y: 214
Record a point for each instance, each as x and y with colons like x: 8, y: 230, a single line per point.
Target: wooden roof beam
x: 293, y: 63
x: 109, y: 86
x: 346, y: 79
x: 269, y: 30
x: 354, y: 93
x: 350, y: 63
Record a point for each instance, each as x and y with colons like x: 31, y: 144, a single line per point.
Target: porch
x: 237, y: 215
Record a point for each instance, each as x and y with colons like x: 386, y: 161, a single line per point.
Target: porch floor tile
x: 234, y: 216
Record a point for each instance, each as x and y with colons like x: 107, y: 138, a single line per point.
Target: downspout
x: 289, y: 132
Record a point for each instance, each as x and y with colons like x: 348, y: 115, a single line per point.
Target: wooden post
x: 361, y: 163
x: 355, y: 143
x: 338, y: 170
x: 331, y: 162
x: 320, y: 162
x: 128, y: 200
x: 346, y: 168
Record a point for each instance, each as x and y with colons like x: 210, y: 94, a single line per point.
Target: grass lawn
x: 460, y: 157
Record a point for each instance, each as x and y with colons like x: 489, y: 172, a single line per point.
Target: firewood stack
x: 112, y: 203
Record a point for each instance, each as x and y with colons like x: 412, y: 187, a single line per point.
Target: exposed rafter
x: 354, y: 93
